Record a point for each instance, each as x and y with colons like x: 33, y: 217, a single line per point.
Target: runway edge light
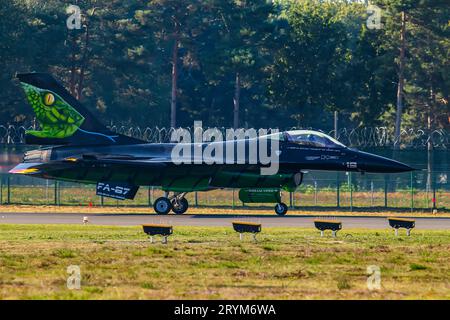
x: 158, y: 230
x: 333, y: 225
x: 397, y: 223
x: 246, y: 227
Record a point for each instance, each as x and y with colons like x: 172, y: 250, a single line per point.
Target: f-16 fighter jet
x: 76, y: 147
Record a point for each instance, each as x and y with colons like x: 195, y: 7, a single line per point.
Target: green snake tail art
x: 56, y: 117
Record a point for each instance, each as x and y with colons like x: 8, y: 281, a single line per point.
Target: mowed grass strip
x: 211, y: 263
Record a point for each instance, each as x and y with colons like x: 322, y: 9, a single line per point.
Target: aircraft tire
x: 181, y: 208
x: 281, y: 209
x: 162, y: 205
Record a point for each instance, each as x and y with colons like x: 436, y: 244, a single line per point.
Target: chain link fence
x: 320, y: 190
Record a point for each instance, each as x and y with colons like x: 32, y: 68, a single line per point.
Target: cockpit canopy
x: 307, y: 138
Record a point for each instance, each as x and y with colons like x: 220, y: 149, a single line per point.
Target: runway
x: 348, y: 222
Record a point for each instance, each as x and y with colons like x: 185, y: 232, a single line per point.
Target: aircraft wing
x: 118, y: 159
x: 32, y: 168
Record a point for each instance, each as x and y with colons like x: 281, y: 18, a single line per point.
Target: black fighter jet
x: 77, y: 147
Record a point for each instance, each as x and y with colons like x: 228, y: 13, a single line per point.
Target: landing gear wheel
x: 281, y: 209
x: 180, y: 206
x: 162, y: 205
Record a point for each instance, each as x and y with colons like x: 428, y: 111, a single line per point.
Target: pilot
x: 314, y: 140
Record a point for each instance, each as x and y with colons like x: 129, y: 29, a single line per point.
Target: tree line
x: 236, y: 63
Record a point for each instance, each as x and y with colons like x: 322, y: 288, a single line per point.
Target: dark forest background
x: 234, y: 62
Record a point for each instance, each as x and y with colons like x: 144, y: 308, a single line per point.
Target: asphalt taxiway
x: 303, y: 221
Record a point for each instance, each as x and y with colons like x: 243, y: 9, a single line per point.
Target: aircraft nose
x: 373, y: 163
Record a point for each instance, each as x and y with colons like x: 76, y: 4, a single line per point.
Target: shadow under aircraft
x: 76, y: 147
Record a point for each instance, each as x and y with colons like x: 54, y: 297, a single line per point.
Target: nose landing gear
x: 177, y: 203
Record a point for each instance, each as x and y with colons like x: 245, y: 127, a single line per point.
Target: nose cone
x: 377, y: 164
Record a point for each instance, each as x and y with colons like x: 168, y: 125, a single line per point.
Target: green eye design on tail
x: 56, y: 117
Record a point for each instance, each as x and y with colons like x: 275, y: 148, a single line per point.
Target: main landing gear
x: 281, y: 209
x: 177, y: 203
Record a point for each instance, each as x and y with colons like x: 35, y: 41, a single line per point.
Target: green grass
x: 212, y: 263
x: 415, y: 266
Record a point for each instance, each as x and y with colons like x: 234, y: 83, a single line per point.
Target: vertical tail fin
x: 62, y: 118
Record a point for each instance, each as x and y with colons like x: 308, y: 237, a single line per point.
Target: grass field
x: 211, y: 263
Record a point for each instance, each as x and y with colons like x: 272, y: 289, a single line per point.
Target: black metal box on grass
x: 398, y: 223
x: 250, y: 227
x: 158, y: 230
x: 333, y: 225
x: 246, y: 227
